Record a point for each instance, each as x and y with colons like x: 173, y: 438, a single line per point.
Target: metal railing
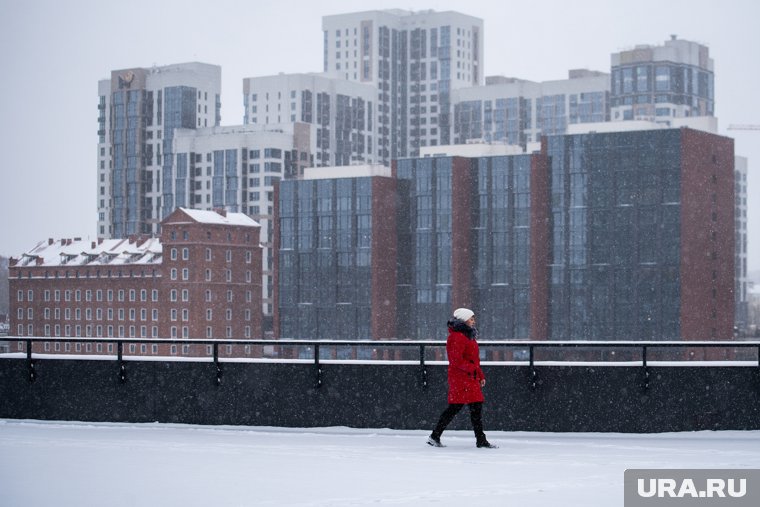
x: 644, y: 348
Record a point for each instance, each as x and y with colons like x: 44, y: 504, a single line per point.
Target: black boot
x: 485, y: 444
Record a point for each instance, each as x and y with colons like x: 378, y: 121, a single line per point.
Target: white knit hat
x: 463, y: 314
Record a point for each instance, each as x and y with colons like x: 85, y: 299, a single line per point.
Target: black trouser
x: 476, y: 410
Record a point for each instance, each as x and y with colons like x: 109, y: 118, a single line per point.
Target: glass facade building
x: 631, y: 220
x: 425, y: 237
x: 601, y: 236
x: 335, y: 258
x: 139, y: 111
x: 467, y: 232
x: 502, y: 280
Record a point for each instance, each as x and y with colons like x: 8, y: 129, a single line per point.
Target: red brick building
x: 200, y: 280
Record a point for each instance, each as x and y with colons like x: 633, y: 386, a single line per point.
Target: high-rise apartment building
x: 139, y: 110
x: 469, y: 240
x: 236, y: 168
x: 415, y: 60
x: 336, y: 263
x: 658, y: 83
x: 642, y: 235
x: 600, y: 236
x: 518, y: 112
x: 343, y: 113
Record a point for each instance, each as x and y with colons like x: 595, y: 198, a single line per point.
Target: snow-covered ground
x: 107, y: 464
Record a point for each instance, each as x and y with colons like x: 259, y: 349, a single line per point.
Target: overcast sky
x: 55, y: 51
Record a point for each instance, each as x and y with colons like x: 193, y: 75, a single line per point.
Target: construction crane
x: 743, y: 127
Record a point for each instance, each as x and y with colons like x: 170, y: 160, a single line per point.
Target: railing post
x: 30, y: 362
x: 122, y: 366
x: 218, y: 366
x: 533, y: 373
x: 318, y: 382
x: 645, y: 384
x: 423, y: 368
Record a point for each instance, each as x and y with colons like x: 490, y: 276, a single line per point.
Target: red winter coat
x: 464, y: 365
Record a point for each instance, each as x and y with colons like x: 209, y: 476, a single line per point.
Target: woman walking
x: 466, y: 379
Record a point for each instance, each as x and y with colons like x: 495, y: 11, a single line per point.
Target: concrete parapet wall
x: 565, y: 398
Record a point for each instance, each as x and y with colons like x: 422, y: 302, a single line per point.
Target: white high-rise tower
x: 415, y: 59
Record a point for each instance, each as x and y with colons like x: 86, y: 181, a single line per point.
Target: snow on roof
x: 78, y: 252
x: 136, y: 250
x: 214, y: 217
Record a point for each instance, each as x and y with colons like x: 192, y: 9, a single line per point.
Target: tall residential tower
x: 415, y: 59
x: 139, y: 109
